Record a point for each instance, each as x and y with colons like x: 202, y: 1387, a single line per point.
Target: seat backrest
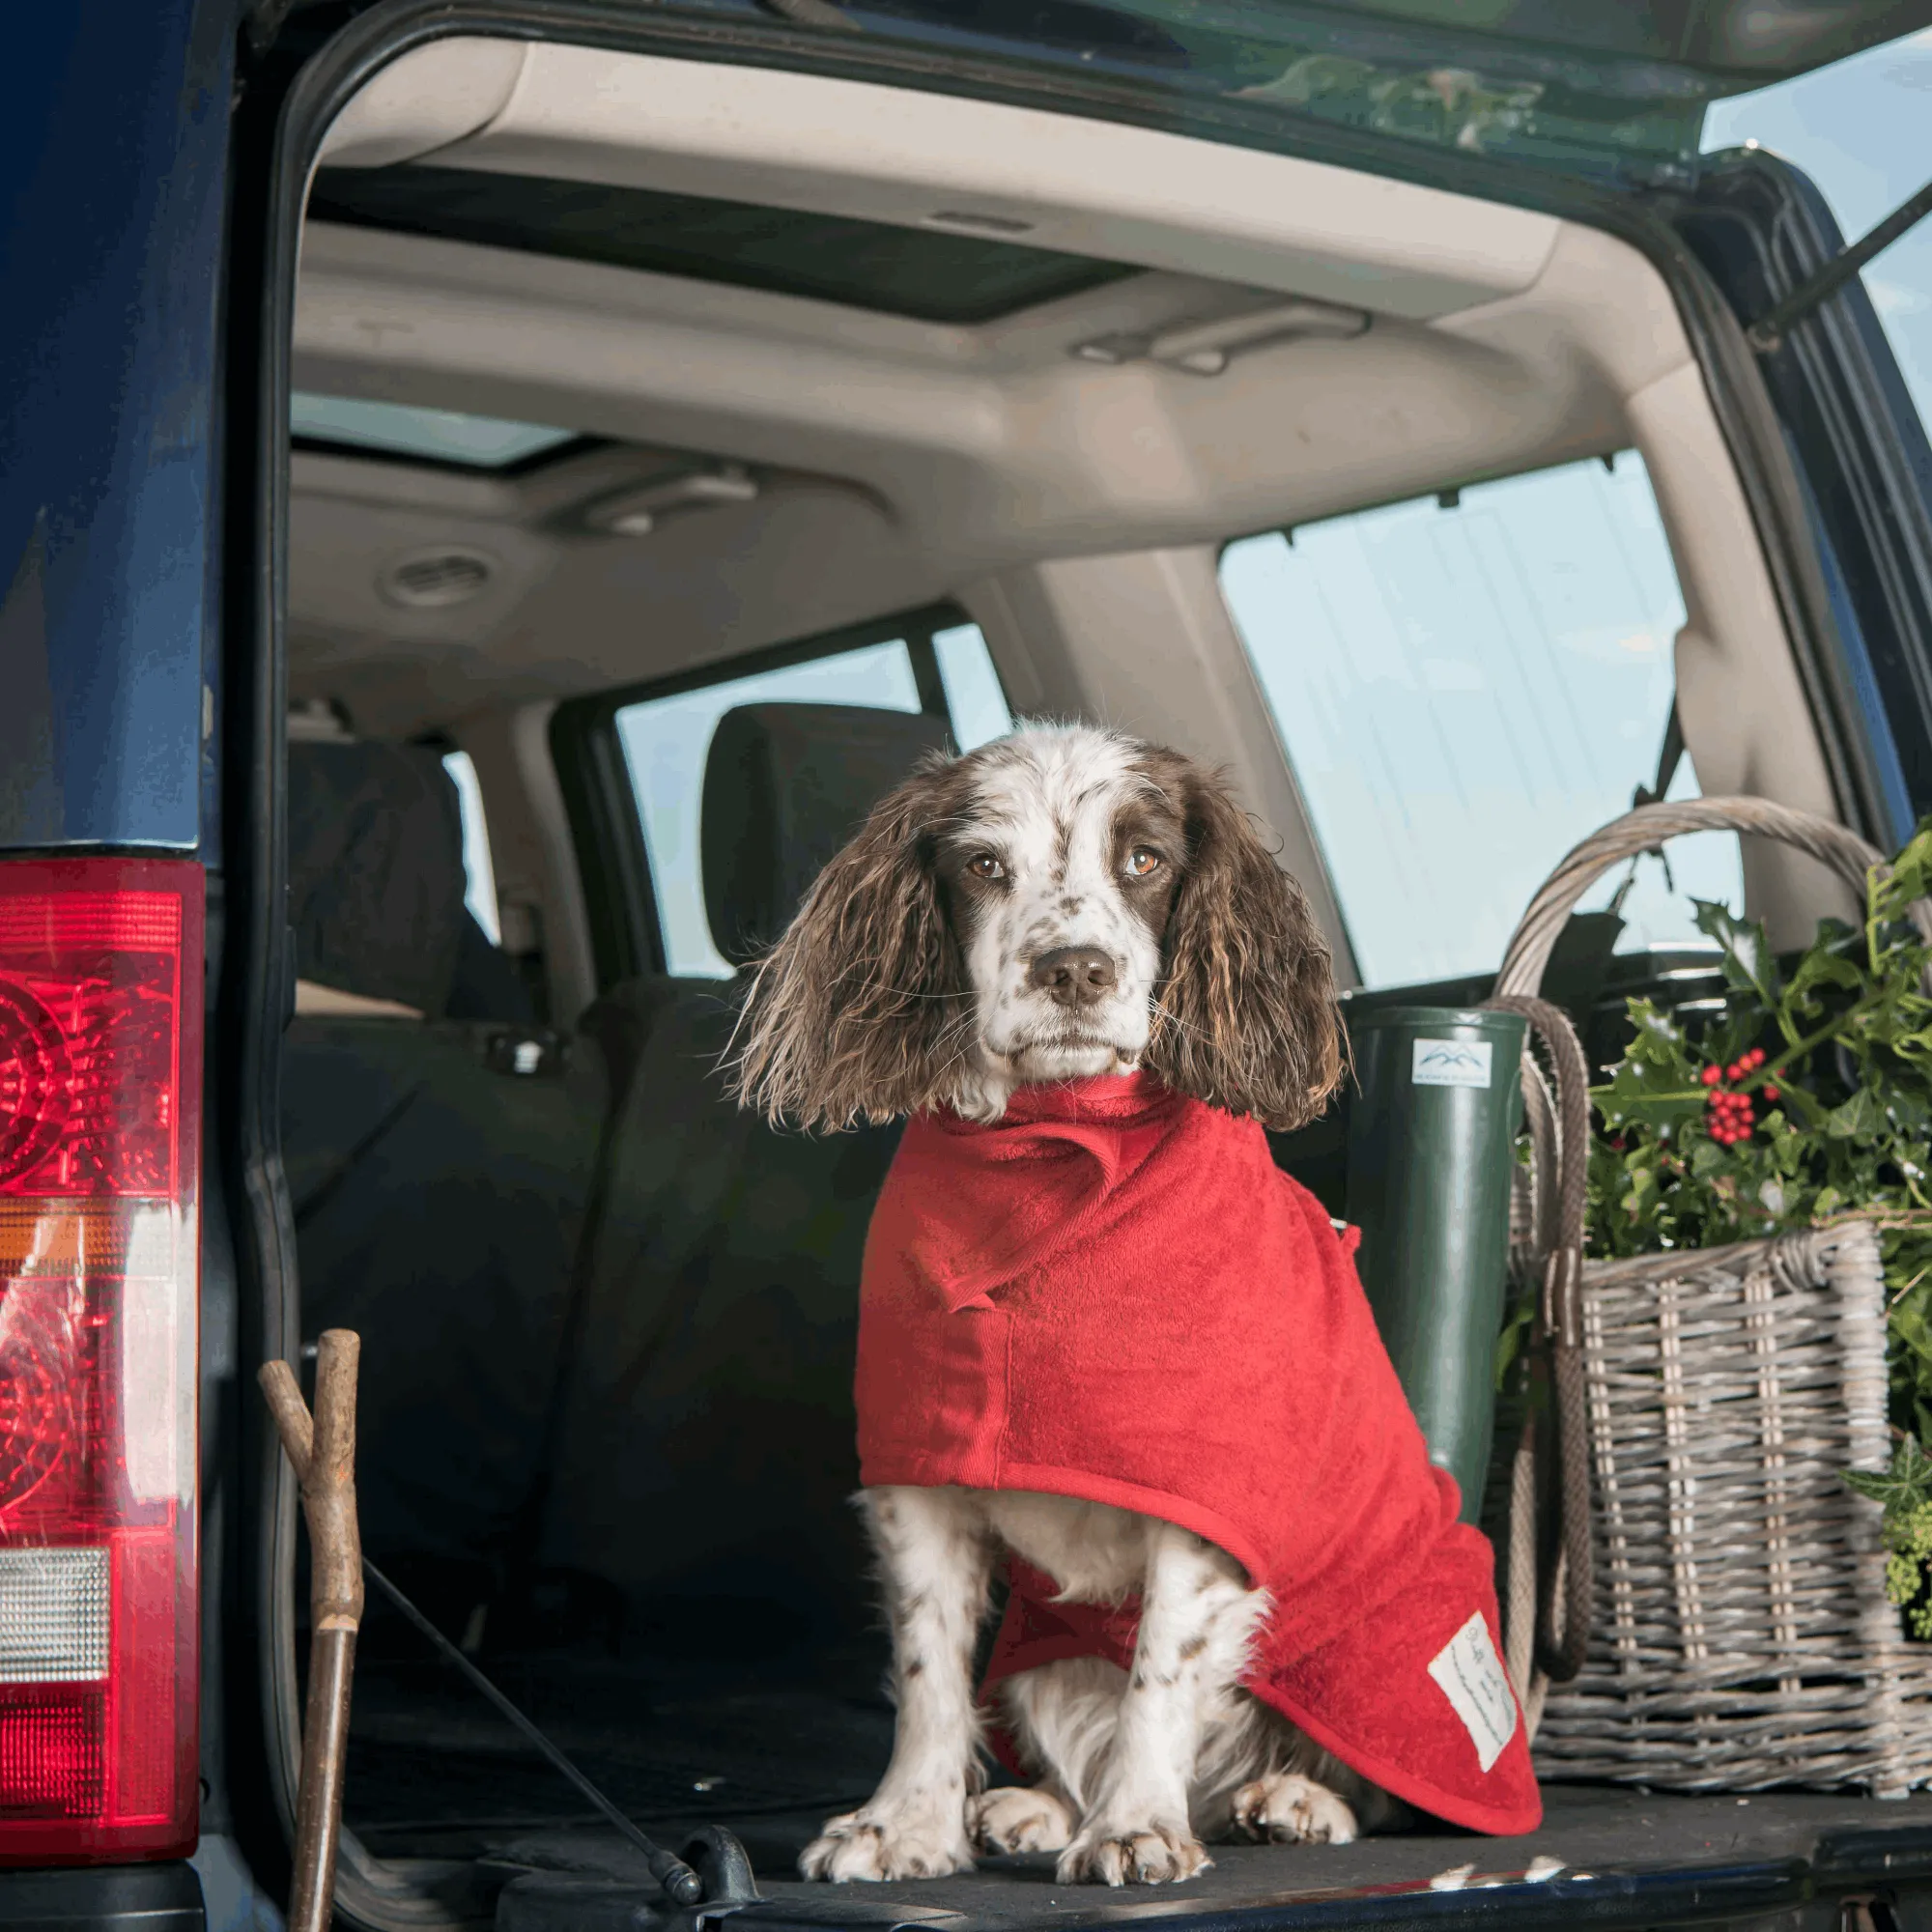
x: 704, y: 1451
x: 437, y: 1167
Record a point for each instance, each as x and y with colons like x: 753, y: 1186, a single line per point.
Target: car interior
x: 681, y: 452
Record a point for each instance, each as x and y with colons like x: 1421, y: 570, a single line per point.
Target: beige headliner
x: 904, y: 461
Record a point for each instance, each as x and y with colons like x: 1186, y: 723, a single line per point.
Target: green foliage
x: 1805, y: 1098
x: 1905, y: 1491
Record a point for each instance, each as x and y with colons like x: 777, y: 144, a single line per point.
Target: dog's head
x: 1063, y: 903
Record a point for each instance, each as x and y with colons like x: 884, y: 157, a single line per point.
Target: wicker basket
x: 1741, y: 1637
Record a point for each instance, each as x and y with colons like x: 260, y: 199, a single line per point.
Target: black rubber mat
x: 1623, y: 1859
x: 434, y: 1774
x: 429, y: 1761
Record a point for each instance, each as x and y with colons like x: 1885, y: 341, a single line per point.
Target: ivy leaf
x: 1909, y: 1324
x: 1858, y: 1119
x: 1904, y: 1487
x: 1747, y: 959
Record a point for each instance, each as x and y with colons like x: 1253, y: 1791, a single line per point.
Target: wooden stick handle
x: 322, y: 1450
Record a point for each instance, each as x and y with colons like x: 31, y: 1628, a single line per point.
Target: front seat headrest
x: 376, y: 878
x: 785, y: 786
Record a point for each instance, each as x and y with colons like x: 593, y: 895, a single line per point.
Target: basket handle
x: 1647, y: 827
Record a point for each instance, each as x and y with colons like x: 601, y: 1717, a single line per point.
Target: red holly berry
x: 1710, y: 1075
x: 1755, y: 1056
x: 1770, y: 1093
x: 1734, y: 1071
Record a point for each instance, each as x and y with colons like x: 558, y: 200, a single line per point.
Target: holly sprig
x: 1802, y: 1097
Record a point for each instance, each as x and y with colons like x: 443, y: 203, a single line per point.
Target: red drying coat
x: 1114, y: 1293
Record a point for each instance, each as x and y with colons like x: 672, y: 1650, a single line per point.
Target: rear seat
x: 704, y: 1448
x: 437, y: 1167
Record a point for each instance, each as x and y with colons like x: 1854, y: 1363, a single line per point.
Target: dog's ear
x: 1246, y: 1018
x: 856, y: 1013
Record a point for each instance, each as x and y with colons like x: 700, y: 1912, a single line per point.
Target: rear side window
x: 1465, y: 686
x: 479, y: 873
x: 666, y: 740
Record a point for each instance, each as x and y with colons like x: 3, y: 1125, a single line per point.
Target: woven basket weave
x: 1741, y: 1637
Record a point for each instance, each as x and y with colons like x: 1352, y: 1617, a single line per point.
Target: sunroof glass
x: 932, y: 275
x: 444, y: 436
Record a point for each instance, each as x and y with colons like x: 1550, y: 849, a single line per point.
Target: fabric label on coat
x: 1472, y: 1678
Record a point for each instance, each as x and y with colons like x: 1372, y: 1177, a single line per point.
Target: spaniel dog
x: 1062, y: 903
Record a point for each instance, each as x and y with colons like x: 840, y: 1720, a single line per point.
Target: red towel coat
x: 1114, y: 1293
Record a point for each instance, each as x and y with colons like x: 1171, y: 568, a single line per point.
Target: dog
x: 1062, y: 905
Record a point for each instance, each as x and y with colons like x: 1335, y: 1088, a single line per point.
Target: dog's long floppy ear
x: 856, y: 1013
x: 1247, y: 1017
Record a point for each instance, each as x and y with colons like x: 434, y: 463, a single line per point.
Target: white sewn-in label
x: 1472, y: 1678
x: 1450, y: 1063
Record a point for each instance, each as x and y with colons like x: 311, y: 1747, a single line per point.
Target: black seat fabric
x: 438, y: 1169
x: 784, y: 786
x: 376, y: 878
x: 705, y: 1443
x: 375, y: 885
x: 439, y: 1196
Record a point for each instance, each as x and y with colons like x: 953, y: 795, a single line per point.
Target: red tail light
x: 101, y: 998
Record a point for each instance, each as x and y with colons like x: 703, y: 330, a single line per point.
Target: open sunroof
x: 924, y: 273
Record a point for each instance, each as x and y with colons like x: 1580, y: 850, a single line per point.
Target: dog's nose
x: 1072, y: 976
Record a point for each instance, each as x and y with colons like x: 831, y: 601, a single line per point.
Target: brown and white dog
x: 1062, y: 903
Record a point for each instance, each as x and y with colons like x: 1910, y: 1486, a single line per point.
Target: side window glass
x: 1464, y: 687
x: 974, y: 700
x: 480, y: 891
x: 666, y: 740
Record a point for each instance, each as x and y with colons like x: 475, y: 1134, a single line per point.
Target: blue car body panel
x: 113, y: 147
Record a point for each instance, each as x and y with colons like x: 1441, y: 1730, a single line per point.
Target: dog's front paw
x: 1288, y: 1809
x: 874, y: 1846
x: 1150, y: 1854
x: 1014, y: 1819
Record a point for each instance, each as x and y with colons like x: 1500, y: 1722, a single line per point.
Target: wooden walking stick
x: 322, y: 1454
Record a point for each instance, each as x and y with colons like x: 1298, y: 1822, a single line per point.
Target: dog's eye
x: 983, y: 865
x: 1141, y: 862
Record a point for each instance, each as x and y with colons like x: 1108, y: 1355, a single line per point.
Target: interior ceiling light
x: 436, y: 578
x: 1205, y: 348
x: 637, y: 513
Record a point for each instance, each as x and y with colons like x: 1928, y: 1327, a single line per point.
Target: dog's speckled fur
x: 908, y: 981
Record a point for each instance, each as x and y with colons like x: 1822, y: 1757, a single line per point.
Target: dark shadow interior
x: 606, y: 1437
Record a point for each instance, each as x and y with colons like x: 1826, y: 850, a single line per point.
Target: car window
x: 1464, y: 687
x: 1861, y: 128
x: 479, y: 874
x: 666, y: 740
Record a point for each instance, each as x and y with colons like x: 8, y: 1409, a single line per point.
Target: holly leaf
x: 1823, y: 968
x: 1641, y: 1093
x: 1911, y: 875
x: 1748, y: 963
